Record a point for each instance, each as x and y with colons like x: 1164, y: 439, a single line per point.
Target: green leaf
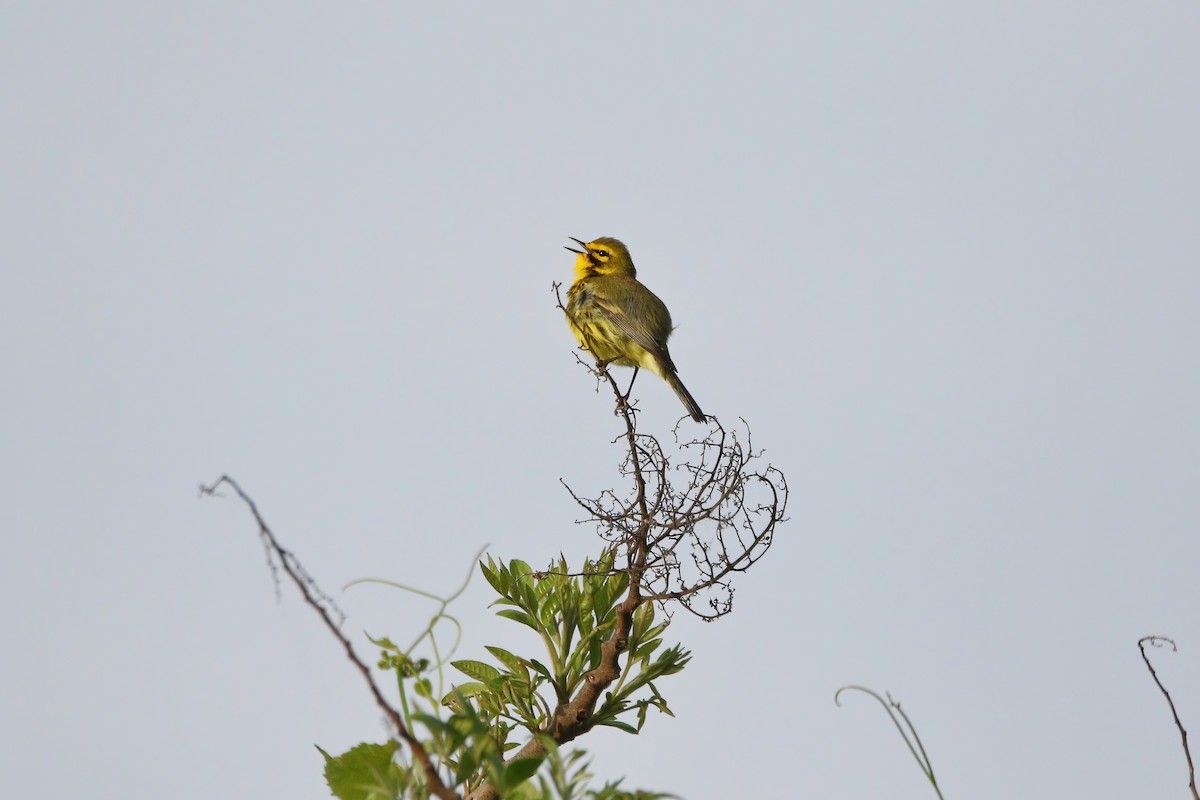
x: 541, y: 669
x: 365, y: 772
x: 528, y: 597
x: 515, y: 664
x: 596, y: 601
x: 434, y: 724
x: 383, y: 642
x: 644, y: 651
x: 477, y: 670
x: 495, y: 577
x: 466, y: 766
x: 656, y: 630
x: 660, y: 701
x: 466, y: 690
x: 624, y: 726
x: 520, y: 770
x: 518, y: 616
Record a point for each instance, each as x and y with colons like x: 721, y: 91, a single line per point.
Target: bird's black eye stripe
x: 601, y: 253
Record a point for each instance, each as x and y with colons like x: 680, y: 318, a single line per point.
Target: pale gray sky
x: 943, y: 258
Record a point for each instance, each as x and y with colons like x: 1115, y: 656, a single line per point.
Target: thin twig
x: 1159, y: 641
x: 321, y: 603
x: 910, y: 736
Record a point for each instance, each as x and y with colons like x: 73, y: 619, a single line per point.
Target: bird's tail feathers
x: 689, y: 402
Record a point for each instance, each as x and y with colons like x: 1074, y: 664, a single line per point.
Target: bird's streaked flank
x: 617, y: 319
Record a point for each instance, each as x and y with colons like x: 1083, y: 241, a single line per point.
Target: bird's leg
x: 623, y: 399
x: 631, y: 380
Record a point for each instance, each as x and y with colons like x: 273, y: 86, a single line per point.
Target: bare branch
x: 1160, y: 641
x: 323, y: 605
x: 699, y: 522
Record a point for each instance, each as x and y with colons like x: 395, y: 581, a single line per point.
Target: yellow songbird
x: 617, y: 319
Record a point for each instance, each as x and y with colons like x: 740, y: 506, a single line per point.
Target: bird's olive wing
x: 638, y: 332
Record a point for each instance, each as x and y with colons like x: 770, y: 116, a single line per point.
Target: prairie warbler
x: 617, y: 319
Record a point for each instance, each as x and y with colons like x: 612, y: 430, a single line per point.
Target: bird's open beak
x: 582, y: 244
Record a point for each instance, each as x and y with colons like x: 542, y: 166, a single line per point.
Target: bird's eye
x: 601, y: 253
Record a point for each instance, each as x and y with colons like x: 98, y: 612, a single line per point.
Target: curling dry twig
x: 700, y: 522
x: 1160, y: 641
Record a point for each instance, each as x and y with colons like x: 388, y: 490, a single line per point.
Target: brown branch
x: 1158, y: 641
x: 574, y: 718
x: 321, y: 603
